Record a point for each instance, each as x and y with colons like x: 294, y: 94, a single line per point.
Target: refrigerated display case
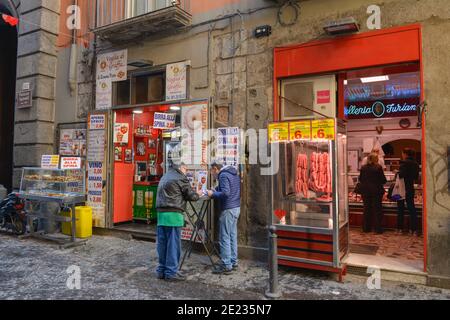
x: 309, y: 203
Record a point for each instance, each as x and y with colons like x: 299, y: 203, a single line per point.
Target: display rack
x: 62, y: 187
x: 310, y: 218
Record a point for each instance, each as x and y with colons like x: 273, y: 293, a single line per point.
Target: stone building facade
x: 234, y: 70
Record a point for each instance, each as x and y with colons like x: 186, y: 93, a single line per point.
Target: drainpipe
x: 73, y: 58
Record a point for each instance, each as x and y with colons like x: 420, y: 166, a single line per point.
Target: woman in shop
x: 371, y: 180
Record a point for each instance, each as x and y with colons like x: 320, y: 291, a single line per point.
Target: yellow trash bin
x: 83, y: 225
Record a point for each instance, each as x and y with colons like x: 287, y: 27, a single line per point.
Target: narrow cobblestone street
x: 113, y: 268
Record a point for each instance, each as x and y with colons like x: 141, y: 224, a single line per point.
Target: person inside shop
x: 409, y: 171
x: 174, y: 190
x: 228, y: 193
x: 380, y: 158
x: 372, y: 180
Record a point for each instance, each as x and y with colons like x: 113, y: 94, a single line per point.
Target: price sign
x: 50, y: 162
x: 278, y: 132
x: 300, y: 130
x: 323, y: 129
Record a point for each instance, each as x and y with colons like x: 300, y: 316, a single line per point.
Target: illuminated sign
x: 382, y: 109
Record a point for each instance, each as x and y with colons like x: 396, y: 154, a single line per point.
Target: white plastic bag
x: 399, y: 189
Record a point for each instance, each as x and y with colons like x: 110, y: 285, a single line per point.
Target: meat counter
x: 309, y: 202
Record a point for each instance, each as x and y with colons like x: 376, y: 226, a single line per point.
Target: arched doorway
x: 8, y: 61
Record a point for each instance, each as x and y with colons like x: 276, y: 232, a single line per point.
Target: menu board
x: 50, y: 161
x: 228, y: 146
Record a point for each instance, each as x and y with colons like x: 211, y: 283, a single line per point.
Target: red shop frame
x: 385, y: 47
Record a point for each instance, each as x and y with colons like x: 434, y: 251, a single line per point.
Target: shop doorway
x: 380, y: 105
x: 8, y: 59
x: 138, y: 167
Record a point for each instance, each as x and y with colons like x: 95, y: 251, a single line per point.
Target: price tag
x: 300, y: 130
x: 278, y: 132
x: 323, y: 129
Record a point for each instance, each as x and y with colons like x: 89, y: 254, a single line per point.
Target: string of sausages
x: 319, y: 175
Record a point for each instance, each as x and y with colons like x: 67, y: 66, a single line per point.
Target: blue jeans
x: 228, y: 237
x: 413, y: 224
x: 169, y: 250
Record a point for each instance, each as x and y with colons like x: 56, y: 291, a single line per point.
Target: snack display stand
x: 62, y: 187
x: 309, y: 210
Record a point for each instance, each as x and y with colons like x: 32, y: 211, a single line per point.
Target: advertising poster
x: 121, y: 133
x: 194, y: 143
x: 103, y: 94
x: 176, y: 85
x: 73, y: 142
x: 228, y: 140
x: 95, y: 184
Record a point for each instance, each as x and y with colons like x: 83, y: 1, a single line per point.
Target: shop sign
x: 164, y: 120
x: 111, y: 67
x: 70, y: 163
x: 50, y: 161
x: 323, y: 96
x: 300, y: 130
x: 228, y: 146
x: 97, y: 122
x: 323, y: 129
x: 382, y: 109
x: 176, y: 81
x: 121, y: 132
x: 278, y: 132
x: 24, y: 99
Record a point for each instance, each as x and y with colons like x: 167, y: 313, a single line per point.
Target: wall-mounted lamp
x: 343, y: 26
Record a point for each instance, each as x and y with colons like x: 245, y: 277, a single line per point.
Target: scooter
x: 12, y: 215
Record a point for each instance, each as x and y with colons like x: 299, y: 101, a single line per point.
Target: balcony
x: 127, y: 20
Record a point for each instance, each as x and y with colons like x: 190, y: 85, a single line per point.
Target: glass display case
x: 309, y: 203
x: 52, y: 183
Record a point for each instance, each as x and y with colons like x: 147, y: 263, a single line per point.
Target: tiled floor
x: 390, y: 244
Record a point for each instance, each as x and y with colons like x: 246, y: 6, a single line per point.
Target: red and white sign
x: 323, y: 96
x: 70, y: 163
x: 97, y: 121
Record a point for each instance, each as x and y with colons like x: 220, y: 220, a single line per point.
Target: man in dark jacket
x: 409, y: 171
x: 229, y: 195
x: 174, y: 190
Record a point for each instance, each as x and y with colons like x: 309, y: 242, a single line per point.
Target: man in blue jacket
x: 229, y: 194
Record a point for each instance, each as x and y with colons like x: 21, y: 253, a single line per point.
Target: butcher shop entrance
x: 381, y: 108
x: 378, y: 95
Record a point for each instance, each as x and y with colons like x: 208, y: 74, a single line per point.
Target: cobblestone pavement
x: 113, y: 268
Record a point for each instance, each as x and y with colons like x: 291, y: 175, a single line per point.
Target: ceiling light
x: 175, y: 108
x: 345, y: 82
x: 375, y: 79
x: 138, y: 111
